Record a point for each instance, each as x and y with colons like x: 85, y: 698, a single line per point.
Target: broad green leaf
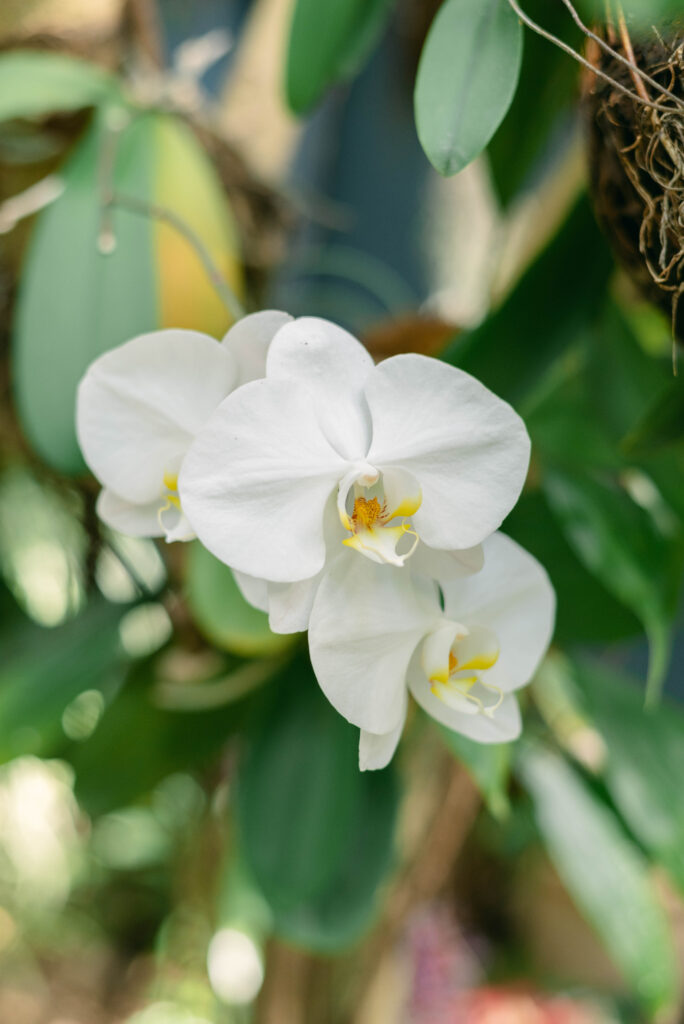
x: 44, y: 670
x: 316, y: 833
x: 137, y: 743
x: 552, y: 307
x: 334, y: 918
x: 328, y: 43
x: 606, y: 875
x: 619, y: 542
x: 644, y: 760
x: 299, y: 792
x: 586, y: 611
x: 488, y: 764
x: 643, y: 13
x: 467, y: 78
x: 35, y: 82
x: 221, y: 612
x: 661, y: 426
x: 75, y: 303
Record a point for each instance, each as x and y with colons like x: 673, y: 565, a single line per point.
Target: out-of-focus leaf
x: 618, y: 541
x: 551, y: 308
x: 137, y: 743
x: 298, y: 793
x: 221, y: 612
x: 489, y: 765
x: 644, y: 13
x: 34, y: 82
x: 328, y: 43
x: 44, y: 670
x: 467, y: 78
x: 542, y: 106
x: 644, y: 760
x: 661, y: 426
x: 586, y: 612
x: 605, y: 873
x: 316, y: 832
x: 334, y: 918
x: 76, y: 303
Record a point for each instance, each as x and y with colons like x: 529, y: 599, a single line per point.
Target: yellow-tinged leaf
x: 187, y: 184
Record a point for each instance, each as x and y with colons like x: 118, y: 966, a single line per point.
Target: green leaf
x: 221, y: 612
x: 644, y: 760
x: 34, y: 82
x: 467, y: 78
x: 336, y: 917
x: 619, y: 542
x: 328, y: 43
x: 551, y: 308
x: 137, y: 743
x: 488, y: 764
x: 661, y: 426
x: 606, y: 875
x: 542, y: 108
x: 587, y: 612
x: 299, y: 787
x: 75, y: 303
x: 44, y: 670
x: 316, y: 832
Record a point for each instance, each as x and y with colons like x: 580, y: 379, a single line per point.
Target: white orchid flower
x: 140, y: 406
x: 408, y: 459
x: 374, y: 636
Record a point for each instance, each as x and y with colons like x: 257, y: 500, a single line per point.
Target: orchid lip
x: 375, y: 508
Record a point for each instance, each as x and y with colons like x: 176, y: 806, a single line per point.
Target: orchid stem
x: 115, y: 124
x: 526, y: 20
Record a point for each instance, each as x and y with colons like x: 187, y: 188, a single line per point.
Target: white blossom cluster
x: 357, y: 501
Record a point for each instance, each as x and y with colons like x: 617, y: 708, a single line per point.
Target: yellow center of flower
x: 456, y: 687
x: 171, y: 496
x: 376, y: 528
x: 367, y: 512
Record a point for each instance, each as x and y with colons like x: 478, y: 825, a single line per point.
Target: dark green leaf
x: 299, y: 792
x: 33, y: 83
x: 74, y: 302
x: 606, y: 875
x: 644, y: 760
x: 221, y: 612
x: 338, y: 915
x: 543, y: 107
x: 43, y: 670
x: 328, y: 43
x: 618, y: 541
x: 552, y: 307
x: 467, y: 77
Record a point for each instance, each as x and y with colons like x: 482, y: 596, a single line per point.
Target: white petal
x: 335, y: 367
x: 365, y: 624
x: 140, y: 405
x: 468, y: 450
x: 256, y: 482
x: 447, y: 565
x: 503, y: 726
x: 436, y: 647
x: 129, y: 518
x: 248, y: 340
x: 290, y: 604
x: 377, y: 750
x: 513, y: 597
x: 254, y: 591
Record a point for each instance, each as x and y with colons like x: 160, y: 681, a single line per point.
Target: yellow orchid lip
x: 371, y: 520
x: 454, y: 682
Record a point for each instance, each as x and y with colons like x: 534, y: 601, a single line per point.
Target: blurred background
x: 184, y: 835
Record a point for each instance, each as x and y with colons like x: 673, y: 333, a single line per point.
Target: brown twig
x: 627, y: 46
x: 147, y: 31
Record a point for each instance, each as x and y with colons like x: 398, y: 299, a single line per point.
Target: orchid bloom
x: 374, y: 636
x: 140, y: 406
x: 408, y: 460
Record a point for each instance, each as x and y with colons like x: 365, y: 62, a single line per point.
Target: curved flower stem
x: 638, y: 75
x: 162, y: 213
x: 116, y: 122
x: 526, y: 20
